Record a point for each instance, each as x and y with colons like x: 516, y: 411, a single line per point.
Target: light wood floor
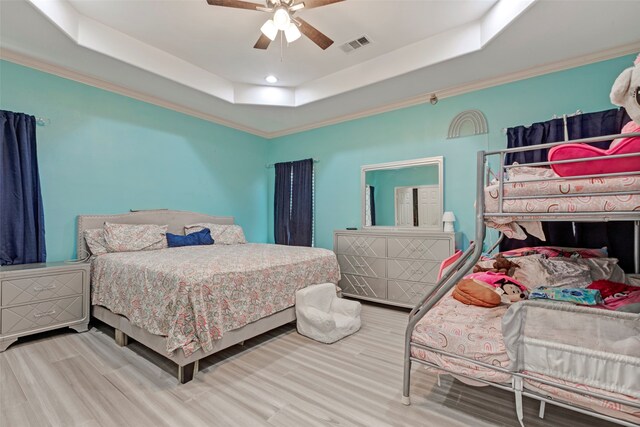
x: 279, y: 379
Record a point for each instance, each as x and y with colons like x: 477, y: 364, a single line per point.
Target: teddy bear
x: 500, y: 265
x: 626, y: 93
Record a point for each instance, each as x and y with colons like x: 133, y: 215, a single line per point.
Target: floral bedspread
x: 576, y: 200
x: 467, y: 330
x: 193, y: 295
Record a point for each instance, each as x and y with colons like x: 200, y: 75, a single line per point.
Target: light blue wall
x: 106, y: 153
x: 420, y: 131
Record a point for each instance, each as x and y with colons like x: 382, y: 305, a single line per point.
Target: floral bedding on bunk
x: 573, y: 202
x: 477, y: 332
x: 193, y: 295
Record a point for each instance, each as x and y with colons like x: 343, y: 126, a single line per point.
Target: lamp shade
x: 270, y: 30
x: 448, y: 217
x: 292, y: 33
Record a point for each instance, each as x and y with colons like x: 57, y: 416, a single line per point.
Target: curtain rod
x: 272, y: 165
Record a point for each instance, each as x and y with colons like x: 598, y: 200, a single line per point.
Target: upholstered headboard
x: 176, y: 220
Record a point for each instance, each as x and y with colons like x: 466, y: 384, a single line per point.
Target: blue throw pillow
x: 202, y: 237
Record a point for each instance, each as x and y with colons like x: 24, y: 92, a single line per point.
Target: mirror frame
x: 425, y: 161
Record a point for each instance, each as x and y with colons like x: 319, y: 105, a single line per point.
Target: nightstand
x: 39, y: 297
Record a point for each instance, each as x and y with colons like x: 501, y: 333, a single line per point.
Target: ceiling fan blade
x: 314, y: 35
x: 296, y: 7
x: 310, y: 4
x: 238, y: 4
x: 262, y: 43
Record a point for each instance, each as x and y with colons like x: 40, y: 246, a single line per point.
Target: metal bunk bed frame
x: 473, y: 253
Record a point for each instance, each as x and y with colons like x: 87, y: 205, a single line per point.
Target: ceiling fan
x: 283, y: 20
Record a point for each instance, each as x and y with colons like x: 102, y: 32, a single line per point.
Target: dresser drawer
x: 21, y: 290
x: 362, y: 265
x: 361, y: 245
x: 413, y: 270
x: 419, y: 248
x: 363, y: 286
x: 407, y: 292
x: 39, y: 315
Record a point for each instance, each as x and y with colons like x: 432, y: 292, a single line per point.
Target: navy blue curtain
x: 589, y: 235
x: 302, y: 203
x: 372, y: 204
x: 282, y: 203
x: 293, y: 203
x: 21, y: 213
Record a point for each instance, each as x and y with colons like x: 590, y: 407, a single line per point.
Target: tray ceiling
x: 201, y: 57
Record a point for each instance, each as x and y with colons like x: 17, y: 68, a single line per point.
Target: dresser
x: 391, y: 267
x: 39, y: 297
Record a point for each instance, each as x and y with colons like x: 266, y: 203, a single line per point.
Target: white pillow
x: 221, y: 234
x: 134, y: 237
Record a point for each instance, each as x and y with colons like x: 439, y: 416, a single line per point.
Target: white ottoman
x: 324, y: 317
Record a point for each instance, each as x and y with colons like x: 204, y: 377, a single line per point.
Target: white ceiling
x: 200, y: 57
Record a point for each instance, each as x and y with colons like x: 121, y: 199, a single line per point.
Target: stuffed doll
x: 508, y: 288
x: 626, y: 93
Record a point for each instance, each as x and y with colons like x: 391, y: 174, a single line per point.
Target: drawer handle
x: 359, y: 266
x: 417, y: 271
x: 44, y: 288
x: 359, y: 285
x: 43, y: 314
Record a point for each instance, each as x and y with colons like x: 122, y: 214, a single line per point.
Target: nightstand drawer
x: 407, y: 292
x: 41, y: 315
x: 362, y: 265
x: 363, y: 286
x: 21, y: 290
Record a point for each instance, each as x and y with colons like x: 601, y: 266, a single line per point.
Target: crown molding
x: 66, y: 73
x: 46, y: 67
x: 471, y: 87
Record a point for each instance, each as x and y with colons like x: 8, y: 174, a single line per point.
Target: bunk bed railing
x: 471, y: 256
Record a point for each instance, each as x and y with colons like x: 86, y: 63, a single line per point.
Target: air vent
x: 355, y: 44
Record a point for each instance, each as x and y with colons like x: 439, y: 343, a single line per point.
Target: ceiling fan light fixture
x: 271, y: 79
x: 281, y: 18
x: 292, y: 33
x: 269, y: 29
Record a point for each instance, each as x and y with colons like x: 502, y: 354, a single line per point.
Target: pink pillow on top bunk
x: 599, y: 166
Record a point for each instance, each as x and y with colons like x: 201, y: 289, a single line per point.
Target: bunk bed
x: 596, y: 366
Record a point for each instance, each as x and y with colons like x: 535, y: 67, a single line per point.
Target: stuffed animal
x: 508, y: 288
x: 500, y: 265
x: 626, y: 91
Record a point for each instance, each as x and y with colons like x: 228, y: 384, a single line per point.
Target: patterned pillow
x: 95, y: 241
x: 222, y: 234
x: 567, y: 273
x: 134, y: 237
x: 558, y: 252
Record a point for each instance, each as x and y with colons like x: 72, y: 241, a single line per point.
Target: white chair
x: 323, y: 316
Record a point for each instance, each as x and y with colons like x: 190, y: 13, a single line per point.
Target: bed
x: 584, y: 359
x: 189, y: 302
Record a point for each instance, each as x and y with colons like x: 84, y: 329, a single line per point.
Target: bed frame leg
x: 543, y: 404
x: 406, y: 385
x: 517, y: 388
x: 187, y: 372
x: 121, y: 338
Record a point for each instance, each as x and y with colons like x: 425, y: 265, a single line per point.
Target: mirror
x: 405, y: 194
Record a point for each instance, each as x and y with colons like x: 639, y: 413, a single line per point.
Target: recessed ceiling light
x: 271, y: 79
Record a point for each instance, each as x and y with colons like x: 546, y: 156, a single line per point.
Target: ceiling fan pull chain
x: 281, y: 48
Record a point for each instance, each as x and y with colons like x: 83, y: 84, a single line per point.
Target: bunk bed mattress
x: 193, y: 295
x: 466, y: 330
x: 607, y: 407
x: 573, y: 192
